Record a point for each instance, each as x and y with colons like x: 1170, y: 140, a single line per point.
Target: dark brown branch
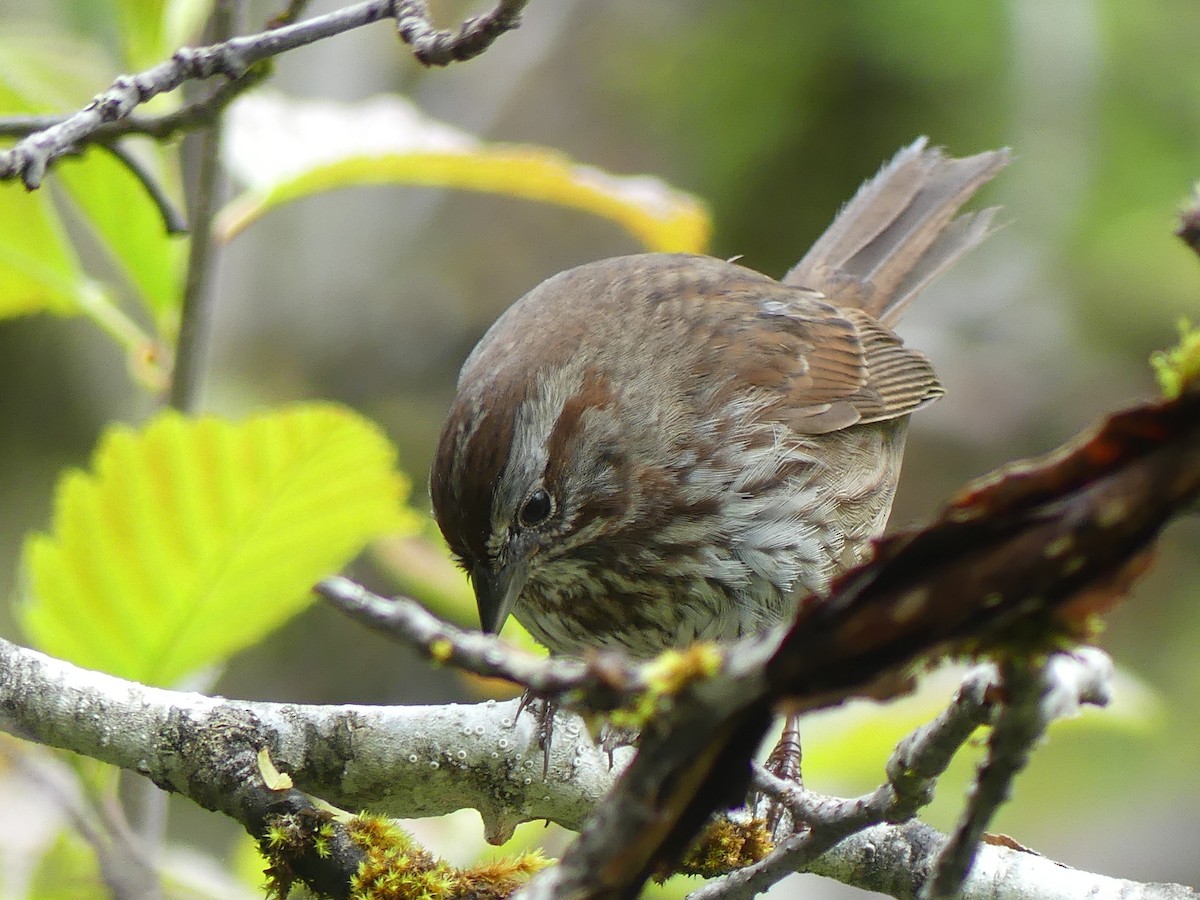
x: 1019, y: 563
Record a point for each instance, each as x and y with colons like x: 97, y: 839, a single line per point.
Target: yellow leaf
x: 191, y: 539
x: 289, y: 149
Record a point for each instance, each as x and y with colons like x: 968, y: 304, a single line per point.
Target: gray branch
x: 440, y: 48
x: 912, y: 773
x: 895, y: 860
x: 30, y: 158
x: 402, y: 761
x: 597, y: 684
x: 424, y: 761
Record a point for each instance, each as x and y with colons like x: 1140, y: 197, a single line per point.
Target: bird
x: 661, y: 448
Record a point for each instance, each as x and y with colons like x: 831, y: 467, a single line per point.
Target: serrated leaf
x: 286, y: 150
x: 191, y: 539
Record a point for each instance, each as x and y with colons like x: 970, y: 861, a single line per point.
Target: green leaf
x: 183, y: 22
x: 127, y: 225
x: 48, y: 71
x: 193, y: 538
x: 38, y: 269
x: 289, y: 149
x: 40, y: 71
x: 141, y: 31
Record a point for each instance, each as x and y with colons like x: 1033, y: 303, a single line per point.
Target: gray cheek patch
x: 527, y: 460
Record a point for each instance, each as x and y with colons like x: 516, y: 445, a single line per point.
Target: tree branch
x: 601, y: 683
x: 195, y: 317
x: 403, y: 761
x: 1021, y: 561
x: 30, y: 158
x: 1019, y: 726
x: 912, y: 772
x: 440, y: 48
x: 424, y: 761
x: 192, y: 115
x: 893, y: 860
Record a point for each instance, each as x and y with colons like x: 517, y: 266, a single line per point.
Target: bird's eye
x: 536, y: 509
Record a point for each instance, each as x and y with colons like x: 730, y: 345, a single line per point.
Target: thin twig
x: 195, y: 315
x: 913, y: 769
x: 482, y: 654
x: 915, y: 765
x: 434, y: 47
x: 1021, y: 723
x: 173, y: 219
x: 29, y: 158
x: 162, y: 127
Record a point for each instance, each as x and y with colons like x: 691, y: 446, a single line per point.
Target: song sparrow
x: 653, y: 449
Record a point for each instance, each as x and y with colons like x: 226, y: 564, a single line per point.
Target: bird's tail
x: 898, y: 232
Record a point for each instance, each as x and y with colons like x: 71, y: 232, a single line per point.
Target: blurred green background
x: 773, y: 111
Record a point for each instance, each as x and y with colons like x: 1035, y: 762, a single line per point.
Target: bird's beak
x: 496, y: 592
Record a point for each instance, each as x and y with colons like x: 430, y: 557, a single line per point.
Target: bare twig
x: 422, y: 761
x: 1021, y: 723
x: 913, y: 769
x: 195, y: 313
x: 195, y: 114
x: 233, y: 59
x: 893, y: 860
x: 601, y: 680
x: 29, y: 158
x: 403, y: 761
x: 434, y: 47
x: 173, y: 219
x: 915, y: 765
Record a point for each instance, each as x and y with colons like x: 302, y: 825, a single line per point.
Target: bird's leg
x: 612, y: 738
x: 783, y: 762
x: 543, y: 712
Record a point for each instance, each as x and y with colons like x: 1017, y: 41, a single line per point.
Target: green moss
x: 725, y: 846
x: 396, y: 867
x: 666, y: 675
x: 1178, y: 366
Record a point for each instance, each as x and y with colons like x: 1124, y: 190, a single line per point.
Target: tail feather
x: 899, y: 232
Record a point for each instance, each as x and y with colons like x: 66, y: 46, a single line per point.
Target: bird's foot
x: 543, y: 712
x: 784, y: 763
